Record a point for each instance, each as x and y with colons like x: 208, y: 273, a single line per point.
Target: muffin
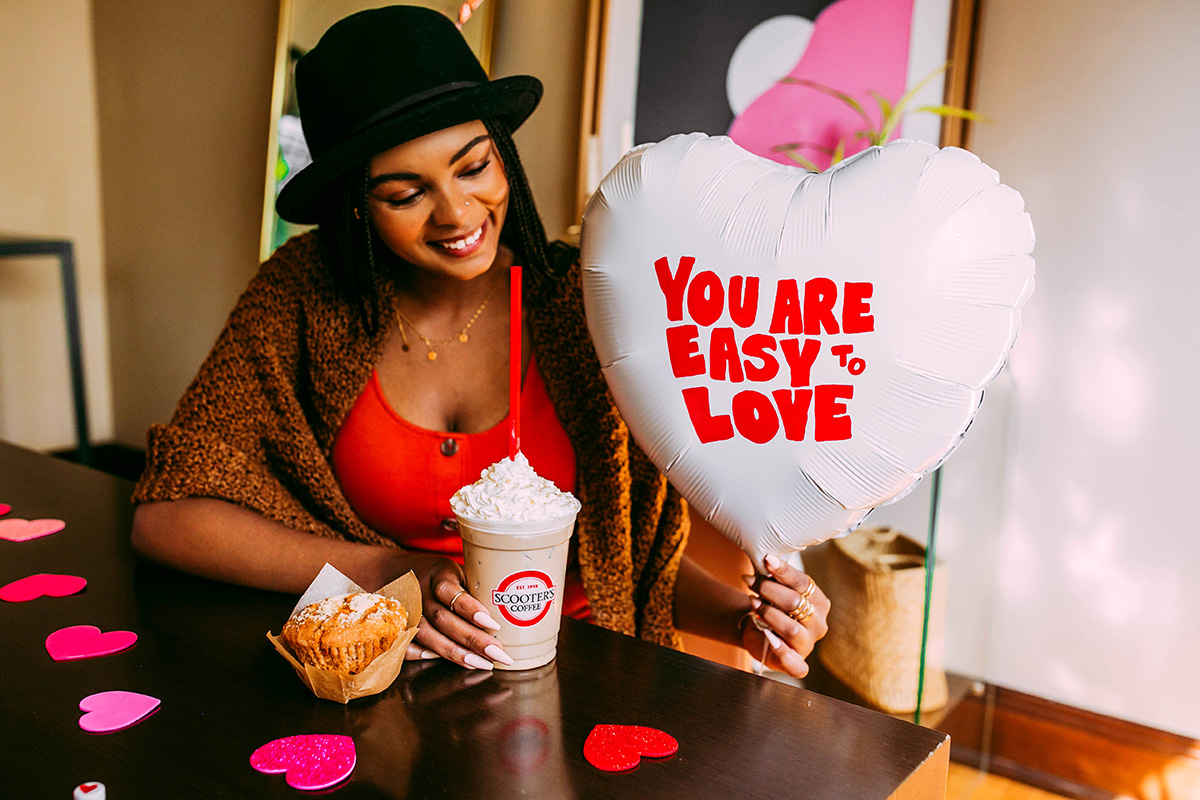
x: 346, y: 632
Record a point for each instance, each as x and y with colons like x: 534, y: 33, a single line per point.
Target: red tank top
x: 399, y: 477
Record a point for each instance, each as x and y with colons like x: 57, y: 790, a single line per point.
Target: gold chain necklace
x: 461, y: 336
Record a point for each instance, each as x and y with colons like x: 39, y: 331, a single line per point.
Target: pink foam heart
x: 312, y: 761
x: 86, y: 641
x: 616, y: 748
x: 35, y: 586
x: 22, y: 530
x: 4, y: 509
x: 112, y: 711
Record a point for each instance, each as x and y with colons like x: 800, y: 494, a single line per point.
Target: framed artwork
x: 301, y: 24
x: 764, y: 72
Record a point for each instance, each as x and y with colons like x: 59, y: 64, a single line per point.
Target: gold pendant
x: 432, y: 356
x: 462, y: 337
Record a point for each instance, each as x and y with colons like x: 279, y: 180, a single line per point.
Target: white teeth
x: 461, y: 244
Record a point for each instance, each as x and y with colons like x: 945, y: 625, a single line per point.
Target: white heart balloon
x: 794, y: 349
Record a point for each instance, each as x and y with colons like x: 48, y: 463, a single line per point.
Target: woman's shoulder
x: 295, y: 275
x: 563, y: 257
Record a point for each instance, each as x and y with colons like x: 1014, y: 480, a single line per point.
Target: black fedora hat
x: 382, y: 77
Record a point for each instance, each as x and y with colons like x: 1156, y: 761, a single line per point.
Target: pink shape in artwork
x: 112, y: 711
x: 312, y: 761
x: 42, y: 584
x: 22, y: 530
x: 856, y: 46
x: 86, y: 641
x: 4, y: 509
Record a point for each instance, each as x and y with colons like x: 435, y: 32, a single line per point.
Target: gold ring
x: 812, y: 587
x: 452, y: 599
x: 803, y: 610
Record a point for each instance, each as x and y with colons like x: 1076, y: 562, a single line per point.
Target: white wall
x: 544, y: 38
x: 184, y: 102
x: 49, y: 187
x: 1097, y: 602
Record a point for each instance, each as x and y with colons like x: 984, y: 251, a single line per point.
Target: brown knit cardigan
x: 257, y: 424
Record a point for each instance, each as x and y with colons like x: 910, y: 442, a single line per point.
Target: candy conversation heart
x: 616, y: 748
x: 793, y: 349
x: 41, y: 585
x: 112, y: 711
x: 22, y: 530
x: 92, y: 790
x: 86, y: 641
x: 311, y: 761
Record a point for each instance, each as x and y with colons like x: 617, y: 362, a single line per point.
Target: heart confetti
x: 22, y: 530
x: 616, y: 748
x: 312, y: 761
x: 4, y: 509
x: 92, y: 790
x: 86, y: 641
x: 42, y: 584
x: 112, y: 711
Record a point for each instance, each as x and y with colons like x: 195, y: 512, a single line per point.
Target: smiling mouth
x: 462, y: 243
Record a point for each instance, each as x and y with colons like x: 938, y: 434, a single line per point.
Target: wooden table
x: 439, y: 731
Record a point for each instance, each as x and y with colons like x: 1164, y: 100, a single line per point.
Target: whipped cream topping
x: 510, y: 490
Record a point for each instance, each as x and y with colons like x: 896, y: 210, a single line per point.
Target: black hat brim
x: 510, y: 99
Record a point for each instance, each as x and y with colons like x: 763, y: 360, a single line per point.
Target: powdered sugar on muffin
x: 345, y: 632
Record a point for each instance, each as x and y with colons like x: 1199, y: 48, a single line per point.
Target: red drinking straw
x: 514, y: 363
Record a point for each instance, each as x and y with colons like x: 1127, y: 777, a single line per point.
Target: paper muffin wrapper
x: 330, y: 684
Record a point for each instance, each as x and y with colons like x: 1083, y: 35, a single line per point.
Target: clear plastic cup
x: 516, y: 569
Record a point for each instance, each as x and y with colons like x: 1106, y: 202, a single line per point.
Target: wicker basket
x: 875, y: 580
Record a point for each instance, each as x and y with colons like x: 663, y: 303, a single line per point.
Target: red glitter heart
x: 616, y: 748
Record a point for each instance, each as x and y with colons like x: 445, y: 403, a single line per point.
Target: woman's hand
x: 454, y: 625
x: 792, y: 610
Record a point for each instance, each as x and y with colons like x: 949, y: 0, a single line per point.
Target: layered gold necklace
x: 432, y: 344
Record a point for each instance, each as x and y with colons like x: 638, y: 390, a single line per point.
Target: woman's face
x: 439, y: 201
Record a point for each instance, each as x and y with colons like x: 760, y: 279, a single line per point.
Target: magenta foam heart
x: 312, y: 761
x: 4, y: 509
x: 41, y: 584
x: 22, y: 530
x: 112, y: 711
x: 86, y: 641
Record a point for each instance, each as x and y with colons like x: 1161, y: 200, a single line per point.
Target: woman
x: 361, y: 379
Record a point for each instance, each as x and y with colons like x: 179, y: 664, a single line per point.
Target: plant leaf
x: 890, y: 126
x: 802, y: 161
x: 820, y: 148
x: 886, y: 109
x: 955, y: 111
x: 839, y: 152
x: 845, y: 98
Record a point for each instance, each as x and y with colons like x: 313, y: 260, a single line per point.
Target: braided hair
x: 349, y: 246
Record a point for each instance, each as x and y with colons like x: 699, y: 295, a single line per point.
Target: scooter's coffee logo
x: 524, y: 598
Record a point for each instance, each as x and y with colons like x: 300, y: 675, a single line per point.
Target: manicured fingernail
x: 775, y: 641
x: 428, y: 654
x: 755, y: 603
x: 496, y: 654
x: 748, y: 580
x: 472, y: 660
x: 773, y: 563
x: 484, y: 621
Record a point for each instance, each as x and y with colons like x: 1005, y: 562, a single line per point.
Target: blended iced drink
x: 515, y: 527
